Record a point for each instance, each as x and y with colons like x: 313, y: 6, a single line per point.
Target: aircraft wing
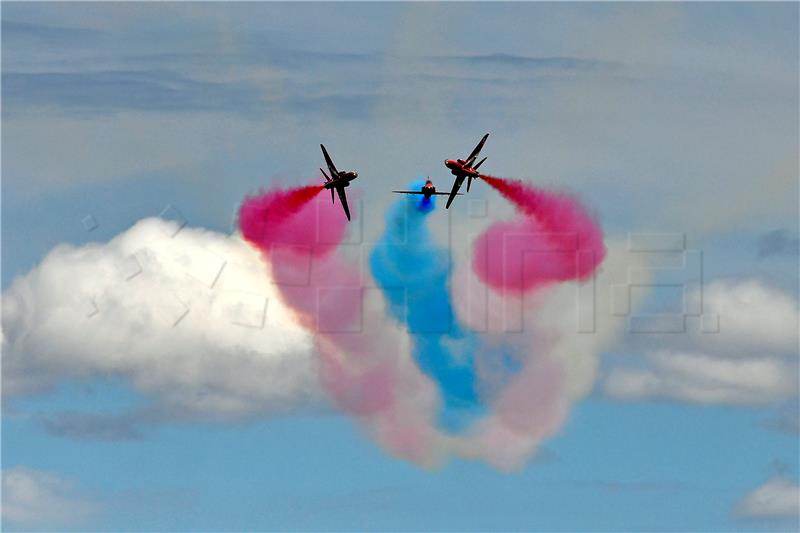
x: 343, y: 198
x: 437, y: 193
x: 329, y: 162
x: 476, y: 151
x: 456, y: 185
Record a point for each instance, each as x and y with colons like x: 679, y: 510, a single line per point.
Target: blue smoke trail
x: 413, y: 272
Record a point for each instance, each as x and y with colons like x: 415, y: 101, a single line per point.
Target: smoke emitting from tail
x: 268, y: 219
x: 556, y: 240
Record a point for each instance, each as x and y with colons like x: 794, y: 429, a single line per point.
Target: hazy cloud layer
x: 657, y: 133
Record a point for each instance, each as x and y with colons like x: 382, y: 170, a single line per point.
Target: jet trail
x: 555, y: 240
x: 413, y: 273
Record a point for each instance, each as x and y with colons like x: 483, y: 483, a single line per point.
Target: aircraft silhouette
x: 426, y: 190
x: 462, y: 168
x: 338, y: 180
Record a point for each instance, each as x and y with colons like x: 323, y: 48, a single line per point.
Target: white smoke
x: 561, y: 331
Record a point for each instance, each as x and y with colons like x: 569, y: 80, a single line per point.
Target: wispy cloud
x: 527, y: 62
x: 37, y: 499
x: 128, y: 90
x: 54, y: 35
x: 752, y: 359
x: 778, y: 242
x: 784, y: 420
x: 704, y: 379
x: 96, y: 426
x: 777, y: 498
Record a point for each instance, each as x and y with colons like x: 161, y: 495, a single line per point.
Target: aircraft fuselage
x: 343, y: 180
x: 428, y: 190
x: 458, y: 168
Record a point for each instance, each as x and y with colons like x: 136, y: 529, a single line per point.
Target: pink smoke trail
x: 268, y: 219
x: 298, y: 234
x: 556, y: 240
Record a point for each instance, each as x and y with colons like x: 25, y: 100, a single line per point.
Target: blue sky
x: 666, y: 118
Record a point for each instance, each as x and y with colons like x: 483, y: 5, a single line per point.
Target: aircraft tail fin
x: 333, y: 199
x: 479, y: 164
x: 326, y: 176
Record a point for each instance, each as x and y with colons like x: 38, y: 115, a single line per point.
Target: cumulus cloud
x: 777, y: 498
x: 751, y: 359
x: 753, y: 319
x: 188, y: 317
x: 36, y: 499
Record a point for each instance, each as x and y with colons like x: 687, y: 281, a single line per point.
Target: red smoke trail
x: 299, y: 233
x: 297, y: 236
x: 266, y: 219
x: 557, y: 240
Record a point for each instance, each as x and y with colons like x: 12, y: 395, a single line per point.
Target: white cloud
x: 705, y: 379
x: 751, y: 360
x: 32, y: 498
x: 777, y: 498
x: 185, y: 315
x: 753, y: 319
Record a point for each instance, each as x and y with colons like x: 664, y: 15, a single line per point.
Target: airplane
x: 462, y: 168
x: 338, y: 180
x: 427, y: 190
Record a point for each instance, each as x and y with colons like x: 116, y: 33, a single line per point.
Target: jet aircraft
x: 338, y: 180
x: 462, y: 168
x: 426, y: 190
